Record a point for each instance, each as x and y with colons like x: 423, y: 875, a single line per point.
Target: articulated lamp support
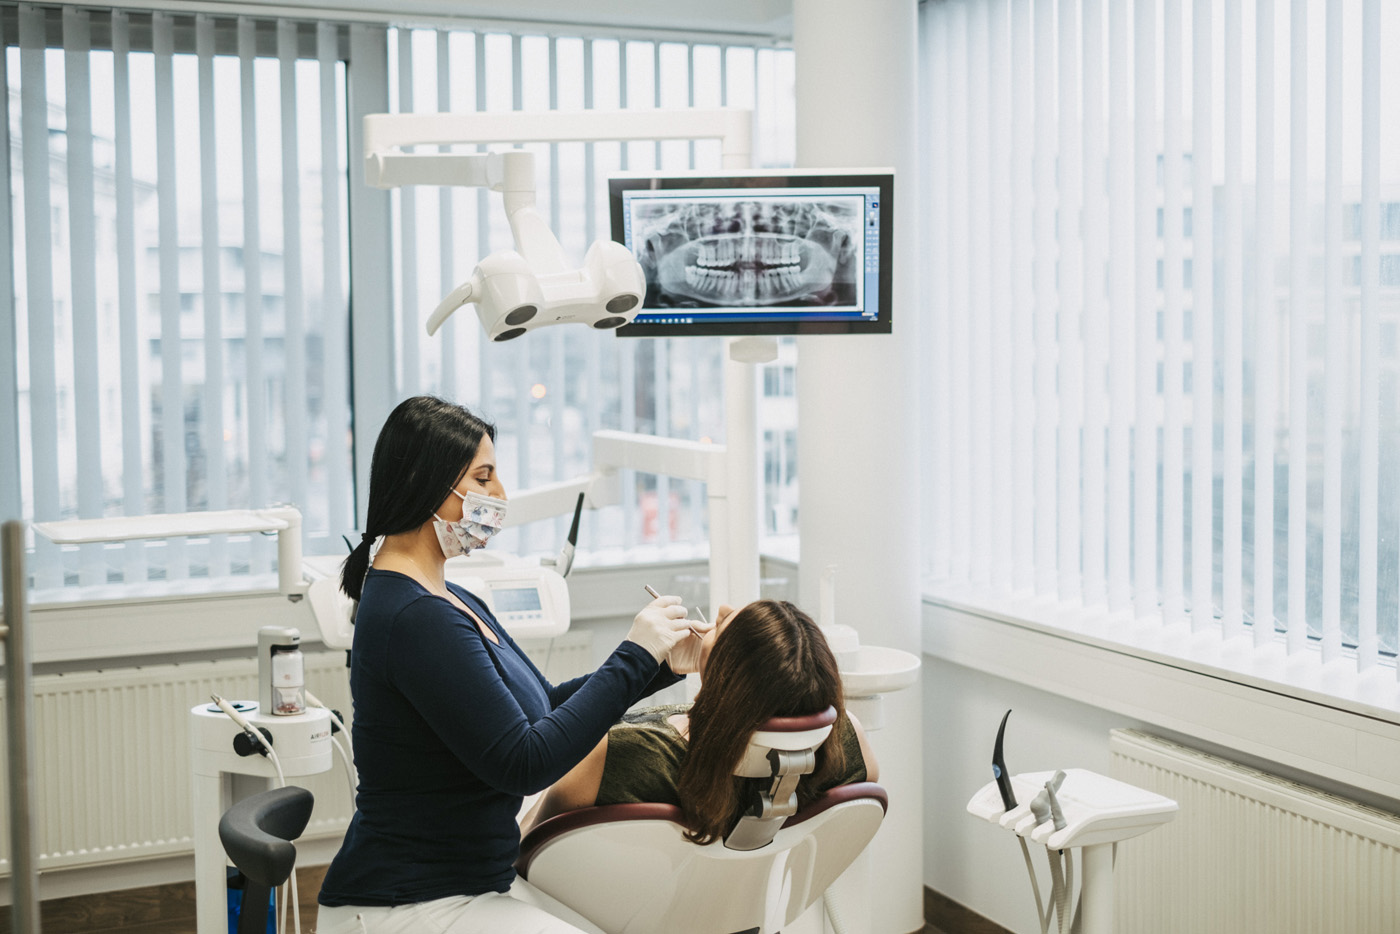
x: 533, y: 285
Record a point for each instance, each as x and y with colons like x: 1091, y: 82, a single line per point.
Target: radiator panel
x: 112, y: 753
x: 1250, y: 852
x: 112, y: 759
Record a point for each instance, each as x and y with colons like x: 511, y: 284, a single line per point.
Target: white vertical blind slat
x: 87, y: 422
x: 295, y: 448
x: 334, y: 320
x: 627, y: 352
x: 1071, y: 305
x: 935, y: 282
x: 695, y: 489
x: 253, y: 343
x: 1145, y: 525
x: 172, y: 389
x: 593, y: 364
x: 11, y: 498
x: 211, y: 251
x: 1095, y: 326
x: 960, y: 437
x: 519, y: 350
x: 1298, y: 332
x: 1265, y: 328
x: 1022, y: 293
x: 661, y: 363
x: 410, y: 378
x: 999, y: 255
x: 1335, y: 351
x: 1046, y: 407
x: 1232, y: 457
x: 1367, y: 652
x: 557, y: 365
x: 979, y: 306
x: 447, y: 246
x: 1122, y: 325
x: 1202, y: 321
x: 485, y: 352
x: 133, y: 469
x: 43, y: 378
x: 1173, y: 249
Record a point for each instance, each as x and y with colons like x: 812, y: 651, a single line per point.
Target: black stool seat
x: 257, y: 834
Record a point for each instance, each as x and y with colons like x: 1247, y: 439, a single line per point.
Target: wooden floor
x: 169, y: 909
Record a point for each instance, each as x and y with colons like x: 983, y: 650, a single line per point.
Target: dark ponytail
x: 424, y: 448
x: 356, y: 566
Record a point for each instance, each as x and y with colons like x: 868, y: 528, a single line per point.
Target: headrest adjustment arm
x: 758, y: 827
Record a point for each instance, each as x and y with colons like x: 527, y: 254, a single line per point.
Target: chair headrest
x: 787, y: 734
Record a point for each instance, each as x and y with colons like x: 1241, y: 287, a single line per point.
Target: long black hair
x: 424, y: 448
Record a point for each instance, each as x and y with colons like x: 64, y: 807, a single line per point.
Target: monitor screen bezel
x: 836, y: 179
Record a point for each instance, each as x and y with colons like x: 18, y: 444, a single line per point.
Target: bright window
x: 1121, y: 190
x: 177, y: 203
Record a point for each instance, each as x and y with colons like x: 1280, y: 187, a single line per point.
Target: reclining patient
x: 765, y: 660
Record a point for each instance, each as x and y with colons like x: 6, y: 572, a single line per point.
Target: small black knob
x: 245, y: 745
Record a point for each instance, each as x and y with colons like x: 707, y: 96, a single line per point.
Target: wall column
x: 858, y: 410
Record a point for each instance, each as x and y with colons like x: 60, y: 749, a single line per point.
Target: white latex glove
x: 659, y: 626
x: 684, y: 657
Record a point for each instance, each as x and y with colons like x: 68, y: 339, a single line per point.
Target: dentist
x: 453, y: 725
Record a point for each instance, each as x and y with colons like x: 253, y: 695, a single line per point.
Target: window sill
x: 1323, y: 719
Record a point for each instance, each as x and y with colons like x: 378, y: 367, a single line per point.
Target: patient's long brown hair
x: 770, y: 661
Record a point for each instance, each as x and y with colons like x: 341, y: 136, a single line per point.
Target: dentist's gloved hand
x: 684, y: 657
x: 659, y: 626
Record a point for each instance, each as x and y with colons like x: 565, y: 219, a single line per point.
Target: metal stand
x: 221, y: 777
x: 24, y: 872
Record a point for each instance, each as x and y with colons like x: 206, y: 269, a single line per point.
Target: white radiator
x: 111, y: 755
x: 1250, y: 852
x: 112, y: 759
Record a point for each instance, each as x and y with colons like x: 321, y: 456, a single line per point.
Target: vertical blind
x: 1162, y: 261
x: 177, y: 189
x: 181, y: 338
x: 549, y: 392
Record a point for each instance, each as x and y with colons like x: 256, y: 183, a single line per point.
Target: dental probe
x: 654, y: 595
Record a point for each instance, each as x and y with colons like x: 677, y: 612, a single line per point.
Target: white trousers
x: 522, y: 910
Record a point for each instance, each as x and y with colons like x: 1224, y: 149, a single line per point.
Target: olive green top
x: 645, y: 753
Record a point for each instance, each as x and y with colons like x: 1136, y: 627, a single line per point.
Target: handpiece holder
x: 1094, y: 813
x: 1096, y: 809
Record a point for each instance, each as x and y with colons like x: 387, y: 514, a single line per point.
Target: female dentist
x: 453, y: 725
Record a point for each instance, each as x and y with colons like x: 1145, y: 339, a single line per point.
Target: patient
x: 765, y: 660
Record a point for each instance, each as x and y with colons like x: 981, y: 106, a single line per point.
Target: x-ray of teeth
x: 756, y: 252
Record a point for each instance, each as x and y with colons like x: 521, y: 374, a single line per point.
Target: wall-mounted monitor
x: 791, y: 252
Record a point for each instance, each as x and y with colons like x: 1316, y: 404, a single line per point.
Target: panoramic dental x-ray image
x: 728, y: 251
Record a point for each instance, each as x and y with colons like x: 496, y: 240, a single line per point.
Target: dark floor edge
x: 951, y: 918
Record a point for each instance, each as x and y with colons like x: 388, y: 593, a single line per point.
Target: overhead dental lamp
x: 517, y: 290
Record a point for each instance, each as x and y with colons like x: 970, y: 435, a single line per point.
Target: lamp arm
x: 392, y: 169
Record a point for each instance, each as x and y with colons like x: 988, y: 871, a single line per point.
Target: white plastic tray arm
x: 283, y: 520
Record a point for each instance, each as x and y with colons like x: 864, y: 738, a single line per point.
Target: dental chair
x: 628, y: 869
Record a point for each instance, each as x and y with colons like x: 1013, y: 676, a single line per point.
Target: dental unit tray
x: 1097, y: 809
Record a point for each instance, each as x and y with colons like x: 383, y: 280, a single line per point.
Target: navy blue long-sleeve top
x: 451, y: 731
